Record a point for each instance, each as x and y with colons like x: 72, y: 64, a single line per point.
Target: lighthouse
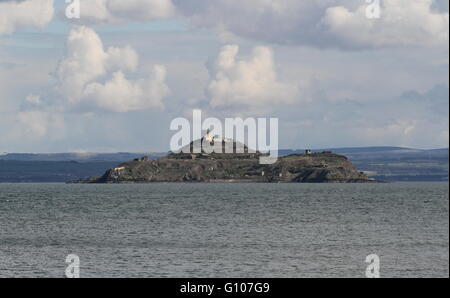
x: 210, y: 137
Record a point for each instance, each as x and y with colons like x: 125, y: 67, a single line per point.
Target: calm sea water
x: 224, y: 230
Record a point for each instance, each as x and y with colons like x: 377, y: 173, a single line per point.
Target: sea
x: 225, y: 230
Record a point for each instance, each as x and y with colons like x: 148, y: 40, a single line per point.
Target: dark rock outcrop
x: 323, y: 167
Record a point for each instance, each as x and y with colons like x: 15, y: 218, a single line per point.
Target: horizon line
x: 4, y: 153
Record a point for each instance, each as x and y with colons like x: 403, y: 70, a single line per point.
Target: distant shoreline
x: 391, y: 164
x: 237, y: 182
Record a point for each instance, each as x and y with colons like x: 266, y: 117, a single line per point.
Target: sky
x: 114, y: 79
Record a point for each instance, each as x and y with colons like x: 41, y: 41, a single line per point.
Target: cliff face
x: 302, y: 168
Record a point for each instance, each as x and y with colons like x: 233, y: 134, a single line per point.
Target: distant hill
x: 80, y: 157
x: 381, y: 163
x: 59, y: 167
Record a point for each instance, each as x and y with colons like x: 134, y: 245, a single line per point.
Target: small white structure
x: 308, y: 152
x: 210, y: 137
x: 216, y: 138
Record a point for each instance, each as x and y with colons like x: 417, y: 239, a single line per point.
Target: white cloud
x: 112, y: 11
x: 87, y: 60
x: 83, y: 76
x: 16, y: 15
x: 140, y: 94
x: 402, y: 22
x: 323, y: 23
x: 251, y: 82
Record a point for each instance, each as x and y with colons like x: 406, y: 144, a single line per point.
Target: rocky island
x: 324, y: 167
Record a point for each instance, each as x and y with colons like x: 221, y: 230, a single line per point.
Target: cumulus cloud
x: 112, y: 11
x: 402, y: 22
x: 324, y: 23
x: 248, y: 81
x: 87, y: 60
x: 139, y: 94
x: 15, y: 15
x: 84, y: 76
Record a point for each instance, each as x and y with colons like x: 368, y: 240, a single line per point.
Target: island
x: 310, y: 167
